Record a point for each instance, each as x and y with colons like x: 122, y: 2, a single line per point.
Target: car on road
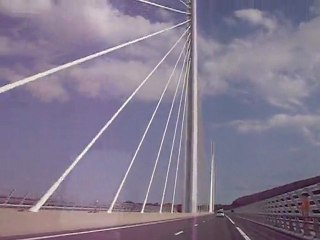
x: 220, y: 213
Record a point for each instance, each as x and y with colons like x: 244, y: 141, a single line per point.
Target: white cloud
x: 315, y: 8
x: 74, y: 22
x: 281, y: 66
x: 96, y: 21
x: 256, y: 18
x: 309, y: 125
x: 67, y: 25
x: 98, y: 80
x: 49, y: 90
x: 279, y: 120
x: 20, y: 47
x: 24, y: 7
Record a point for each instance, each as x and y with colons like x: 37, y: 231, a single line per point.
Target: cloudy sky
x: 259, y: 75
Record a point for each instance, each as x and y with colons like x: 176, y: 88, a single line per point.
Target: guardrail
x: 120, y: 208
x: 22, y: 203
x: 296, y: 212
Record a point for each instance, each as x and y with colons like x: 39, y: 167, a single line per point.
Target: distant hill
x: 242, y: 201
x: 221, y: 206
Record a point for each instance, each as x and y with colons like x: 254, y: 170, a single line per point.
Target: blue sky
x: 259, y: 76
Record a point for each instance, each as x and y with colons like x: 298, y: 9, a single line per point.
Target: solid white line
x: 181, y: 130
x: 178, y: 233
x: 163, y: 7
x: 146, y: 130
x: 230, y: 220
x: 245, y: 236
x: 56, y: 185
x: 37, y: 76
x: 175, y: 130
x: 184, y: 4
x: 164, y: 132
x: 101, y: 230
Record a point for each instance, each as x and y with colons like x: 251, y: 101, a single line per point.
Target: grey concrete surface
x: 13, y: 222
x: 196, y: 228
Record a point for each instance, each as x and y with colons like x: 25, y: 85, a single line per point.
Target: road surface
x: 206, y: 227
x: 257, y: 231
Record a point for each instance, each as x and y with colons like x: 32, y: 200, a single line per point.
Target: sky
x: 259, y: 84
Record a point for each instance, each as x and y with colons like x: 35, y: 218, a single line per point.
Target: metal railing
x: 296, y: 212
x: 24, y: 203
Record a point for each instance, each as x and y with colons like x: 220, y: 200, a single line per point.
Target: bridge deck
x: 13, y: 222
x: 198, y: 227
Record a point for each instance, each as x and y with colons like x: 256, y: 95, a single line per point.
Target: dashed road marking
x: 196, y: 225
x: 99, y: 230
x: 230, y: 220
x: 178, y: 233
x: 245, y: 236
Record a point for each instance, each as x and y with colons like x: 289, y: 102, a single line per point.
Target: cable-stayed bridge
x: 27, y: 217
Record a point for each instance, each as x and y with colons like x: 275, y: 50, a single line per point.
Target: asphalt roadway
x: 206, y: 227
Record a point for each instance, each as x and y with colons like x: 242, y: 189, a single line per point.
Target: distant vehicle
x: 220, y: 213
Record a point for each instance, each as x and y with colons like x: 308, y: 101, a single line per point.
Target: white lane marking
x: 178, y: 233
x: 245, y: 236
x: 196, y: 225
x: 100, y: 230
x: 230, y: 220
x: 203, y: 221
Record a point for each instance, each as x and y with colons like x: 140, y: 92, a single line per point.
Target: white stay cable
x: 144, y: 134
x: 174, y: 137
x: 54, y: 187
x: 166, y: 127
x: 184, y: 3
x: 180, y: 143
x: 163, y: 7
x: 38, y: 76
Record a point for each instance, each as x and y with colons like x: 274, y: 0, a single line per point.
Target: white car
x: 220, y: 213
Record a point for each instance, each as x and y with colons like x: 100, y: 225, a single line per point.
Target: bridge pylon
x: 191, y: 167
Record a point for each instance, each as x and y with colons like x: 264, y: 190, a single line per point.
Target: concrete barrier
x: 14, y: 223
